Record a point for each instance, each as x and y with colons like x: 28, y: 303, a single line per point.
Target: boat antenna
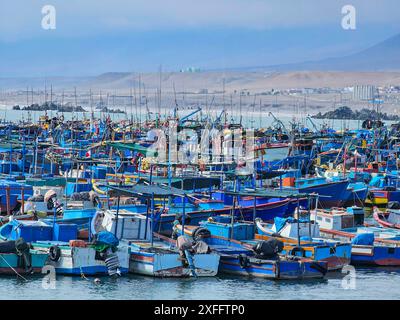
x: 176, y: 102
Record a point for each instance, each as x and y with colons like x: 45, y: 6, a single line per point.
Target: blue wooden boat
x: 162, y: 259
x: 383, y: 189
x: 151, y: 253
x: 200, y: 209
x: 15, y: 261
x: 266, y: 207
x: 331, y: 193
x: 66, y: 254
x: 10, y: 192
x: 246, y: 257
x: 374, y: 246
x: 357, y: 192
x: 303, y: 238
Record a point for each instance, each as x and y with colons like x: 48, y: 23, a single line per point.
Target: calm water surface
x: 371, y: 283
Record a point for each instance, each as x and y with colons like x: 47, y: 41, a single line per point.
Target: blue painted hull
x: 356, y: 195
x: 279, y: 269
x: 267, y: 212
x: 375, y: 255
x: 87, y: 271
x: 333, y: 194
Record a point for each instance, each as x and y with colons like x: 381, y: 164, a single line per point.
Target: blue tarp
x: 107, y: 238
x: 280, y: 222
x: 364, y: 239
x: 376, y: 181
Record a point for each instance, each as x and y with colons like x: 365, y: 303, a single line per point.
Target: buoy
x: 97, y: 281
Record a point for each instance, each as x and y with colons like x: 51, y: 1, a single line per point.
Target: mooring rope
x: 12, y: 268
x: 82, y: 274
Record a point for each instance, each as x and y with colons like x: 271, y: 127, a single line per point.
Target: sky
x: 94, y: 37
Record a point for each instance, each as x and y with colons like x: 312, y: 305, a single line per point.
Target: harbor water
x: 370, y: 283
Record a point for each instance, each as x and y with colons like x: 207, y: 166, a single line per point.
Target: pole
x: 152, y: 218
x: 8, y: 200
x: 298, y: 221
x: 54, y: 217
x: 254, y: 208
x: 183, y: 215
x: 309, y: 217
x: 116, y: 217
x: 22, y: 200
x: 233, y: 209
x: 23, y: 157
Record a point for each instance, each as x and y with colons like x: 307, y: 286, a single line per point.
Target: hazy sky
x: 95, y: 36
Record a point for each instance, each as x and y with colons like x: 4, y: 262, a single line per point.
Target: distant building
x: 364, y: 92
x: 190, y: 69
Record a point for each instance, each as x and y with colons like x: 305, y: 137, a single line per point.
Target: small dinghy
x: 390, y: 218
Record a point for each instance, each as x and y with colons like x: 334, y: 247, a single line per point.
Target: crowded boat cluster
x: 193, y: 196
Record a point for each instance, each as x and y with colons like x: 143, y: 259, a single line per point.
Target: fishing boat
x: 254, y: 258
x: 383, y: 189
x: 68, y: 255
x: 302, y: 237
x: 16, y: 257
x: 10, y: 193
x: 374, y: 246
x: 153, y: 254
x: 331, y: 193
x: 267, y: 207
x: 390, y: 218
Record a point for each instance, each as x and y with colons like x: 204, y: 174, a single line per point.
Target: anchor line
x: 16, y: 272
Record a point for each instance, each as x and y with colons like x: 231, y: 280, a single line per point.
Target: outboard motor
x: 268, y: 249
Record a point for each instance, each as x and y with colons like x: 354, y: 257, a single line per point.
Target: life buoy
x: 54, y: 253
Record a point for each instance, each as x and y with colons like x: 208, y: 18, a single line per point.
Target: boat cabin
x: 338, y: 218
